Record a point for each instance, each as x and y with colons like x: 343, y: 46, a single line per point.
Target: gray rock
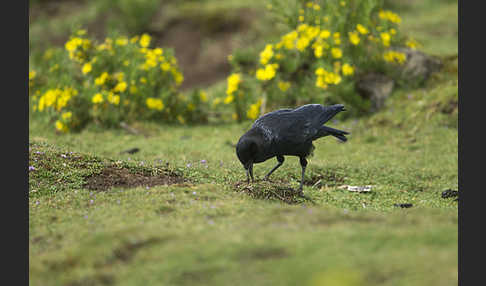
x: 375, y: 87
x: 418, y: 66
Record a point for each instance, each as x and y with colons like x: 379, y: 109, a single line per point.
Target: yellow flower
x: 312, y: 31
x: 390, y: 16
x: 112, y: 98
x: 154, y: 103
x: 385, y: 38
x: 233, y: 82
x: 122, y: 41
x: 325, y: 34
x: 67, y: 115
x: 266, y: 54
x: 229, y: 99
x: 309, y: 4
x: 396, y: 57
x: 63, y: 97
x: 302, y: 43
x: 267, y: 73
x: 178, y: 77
x: 86, y: 68
x: 412, y: 44
x: 324, y: 78
x: 347, y: 69
x: 254, y: 110
x: 362, y: 29
x: 283, y: 85
x: 393, y: 31
x: 73, y: 44
x: 337, y: 38
x: 134, y: 39
x: 97, y: 98
x: 336, y: 53
x: 354, y: 38
x: 165, y: 66
x: 332, y: 78
x: 318, y: 49
x: 61, y: 126
x: 32, y: 74
x: 143, y: 80
x: 120, y: 87
x: 289, y: 39
x: 101, y: 79
x: 216, y: 101
x: 320, y: 82
x: 320, y: 71
x: 301, y: 18
x: 145, y: 40
x: 342, y: 3
x: 316, y: 7
x: 203, y: 96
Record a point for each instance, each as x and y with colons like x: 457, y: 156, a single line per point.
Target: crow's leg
x: 249, y: 172
x: 303, y: 163
x: 280, y: 162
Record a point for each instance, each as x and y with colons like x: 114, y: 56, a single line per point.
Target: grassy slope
x: 208, y: 234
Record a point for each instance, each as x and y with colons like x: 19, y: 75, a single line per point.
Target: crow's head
x: 246, y: 150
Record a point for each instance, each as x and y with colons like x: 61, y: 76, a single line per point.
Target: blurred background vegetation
x: 212, y: 39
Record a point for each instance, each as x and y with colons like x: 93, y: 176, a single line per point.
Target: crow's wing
x: 295, y: 126
x: 319, y: 113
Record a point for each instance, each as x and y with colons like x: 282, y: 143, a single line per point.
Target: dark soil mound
x: 125, y: 178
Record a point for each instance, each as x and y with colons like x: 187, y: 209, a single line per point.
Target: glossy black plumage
x: 287, y: 132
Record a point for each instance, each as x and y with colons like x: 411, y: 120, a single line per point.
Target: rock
x: 405, y: 205
x: 131, y: 151
x: 450, y: 193
x: 376, y: 87
x: 418, y: 66
x: 358, y: 189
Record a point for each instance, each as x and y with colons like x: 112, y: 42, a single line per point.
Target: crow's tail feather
x: 336, y: 133
x: 340, y: 137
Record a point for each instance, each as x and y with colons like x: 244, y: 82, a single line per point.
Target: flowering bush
x: 317, y: 60
x: 119, y: 79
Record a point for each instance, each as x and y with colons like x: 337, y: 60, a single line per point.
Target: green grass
x: 208, y: 232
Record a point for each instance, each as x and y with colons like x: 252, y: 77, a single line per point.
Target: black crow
x: 286, y: 132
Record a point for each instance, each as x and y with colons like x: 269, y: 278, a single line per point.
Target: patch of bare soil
x: 202, y: 45
x: 125, y: 178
